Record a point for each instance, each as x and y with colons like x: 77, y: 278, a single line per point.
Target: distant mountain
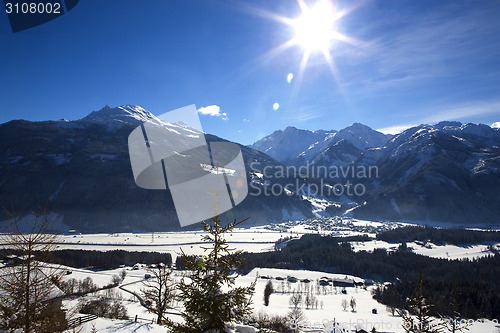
x: 294, y: 144
x: 448, y: 172
x: 126, y: 114
x: 297, y: 147
x: 80, y: 171
x: 341, y: 153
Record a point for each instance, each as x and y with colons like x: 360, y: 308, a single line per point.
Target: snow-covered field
x: 430, y: 250
x: 250, y: 239
x: 259, y: 239
x: 255, y: 239
x: 329, y: 307
x: 263, y: 238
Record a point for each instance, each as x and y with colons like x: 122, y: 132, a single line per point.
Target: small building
x: 343, y: 282
x: 369, y: 282
x: 324, y: 283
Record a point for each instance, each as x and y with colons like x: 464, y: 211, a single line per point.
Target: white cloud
x: 454, y: 112
x: 451, y: 112
x: 214, y: 111
x: 246, y: 120
x: 435, y: 45
x: 394, y: 129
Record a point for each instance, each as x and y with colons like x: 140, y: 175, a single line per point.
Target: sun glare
x: 314, y: 29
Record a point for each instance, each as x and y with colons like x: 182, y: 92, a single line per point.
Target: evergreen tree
x: 418, y: 320
x: 452, y: 323
x: 353, y: 304
x: 209, y: 296
x: 267, y: 292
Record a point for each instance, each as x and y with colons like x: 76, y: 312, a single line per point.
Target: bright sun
x: 314, y: 29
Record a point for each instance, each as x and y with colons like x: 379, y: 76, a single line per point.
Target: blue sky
x: 412, y: 62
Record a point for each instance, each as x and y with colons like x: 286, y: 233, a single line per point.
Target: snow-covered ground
x: 258, y: 239
x: 255, y: 239
x: 332, y: 310
x: 251, y: 239
x: 431, y: 250
x: 263, y: 238
x: 105, y: 325
x: 452, y: 251
x: 329, y: 307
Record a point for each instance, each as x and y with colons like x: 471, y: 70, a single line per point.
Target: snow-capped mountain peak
x: 295, y: 146
x: 135, y: 115
x: 131, y: 114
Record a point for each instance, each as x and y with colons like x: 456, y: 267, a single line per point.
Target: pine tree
x: 210, y: 299
x: 353, y: 304
x: 452, y: 323
x: 268, y: 290
x: 418, y: 320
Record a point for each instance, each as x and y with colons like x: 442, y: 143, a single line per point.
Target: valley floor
x: 367, y: 314
x: 329, y: 307
x: 263, y: 238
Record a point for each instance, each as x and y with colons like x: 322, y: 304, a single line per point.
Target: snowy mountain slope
x: 444, y: 172
x: 80, y: 170
x: 362, y: 137
x: 135, y: 115
x: 342, y: 153
x: 293, y: 143
x: 297, y: 147
x: 447, y: 172
x: 128, y: 114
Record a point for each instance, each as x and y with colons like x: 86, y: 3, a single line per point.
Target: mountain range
x: 80, y: 172
x: 297, y: 147
x: 447, y: 172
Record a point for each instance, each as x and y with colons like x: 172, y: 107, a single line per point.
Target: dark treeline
x: 103, y: 259
x: 328, y: 254
x: 358, y: 238
x: 454, y: 236
x: 473, y: 299
x: 109, y: 259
